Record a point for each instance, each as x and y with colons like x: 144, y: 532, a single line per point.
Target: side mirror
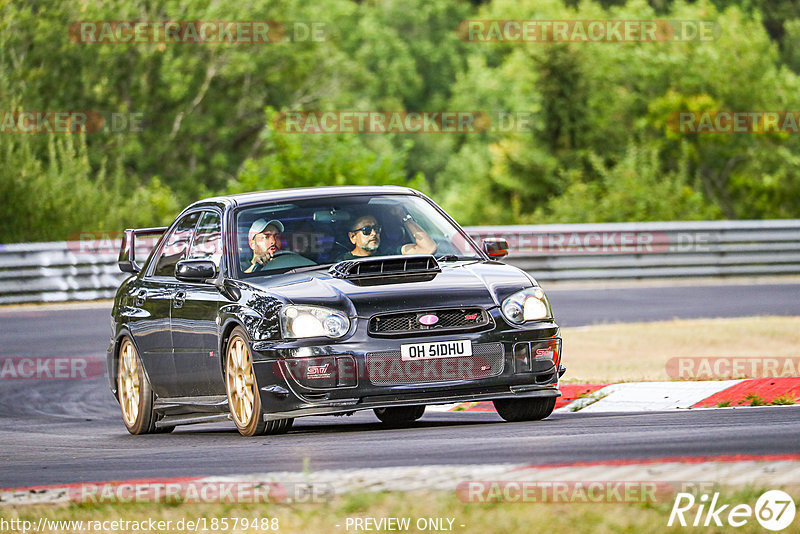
x: 495, y: 247
x: 195, y: 270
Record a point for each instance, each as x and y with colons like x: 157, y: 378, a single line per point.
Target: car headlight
x: 313, y: 321
x: 527, y: 305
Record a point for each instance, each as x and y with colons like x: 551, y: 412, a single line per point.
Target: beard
x: 267, y: 250
x: 372, y: 246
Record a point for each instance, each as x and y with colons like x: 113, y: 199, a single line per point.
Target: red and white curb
x: 767, y: 471
x: 656, y: 396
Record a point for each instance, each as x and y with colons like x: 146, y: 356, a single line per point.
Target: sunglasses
x: 367, y: 230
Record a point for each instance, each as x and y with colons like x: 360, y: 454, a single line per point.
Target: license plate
x: 439, y: 349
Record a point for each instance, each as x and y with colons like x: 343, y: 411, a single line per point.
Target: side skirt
x: 175, y: 420
x: 191, y: 410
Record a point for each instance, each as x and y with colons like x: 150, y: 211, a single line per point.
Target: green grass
x: 512, y: 518
x: 724, y: 404
x: 752, y: 399
x: 784, y: 400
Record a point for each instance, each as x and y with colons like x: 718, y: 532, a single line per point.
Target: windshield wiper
x: 448, y: 257
x: 309, y: 268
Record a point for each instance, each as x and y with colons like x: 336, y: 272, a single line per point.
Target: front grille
x: 386, y: 368
x: 447, y: 320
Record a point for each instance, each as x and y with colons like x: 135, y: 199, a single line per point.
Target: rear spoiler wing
x: 127, y: 251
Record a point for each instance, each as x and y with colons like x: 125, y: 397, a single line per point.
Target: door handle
x: 141, y: 297
x: 180, y: 298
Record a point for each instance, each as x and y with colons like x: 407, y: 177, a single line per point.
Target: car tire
x: 242, y: 389
x: 398, y: 416
x: 534, y: 409
x: 134, y: 393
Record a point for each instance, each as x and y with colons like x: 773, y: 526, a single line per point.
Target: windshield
x: 282, y: 236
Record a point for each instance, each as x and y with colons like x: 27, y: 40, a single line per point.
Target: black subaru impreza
x: 263, y: 307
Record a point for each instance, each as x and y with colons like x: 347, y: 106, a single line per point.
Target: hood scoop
x: 370, y: 271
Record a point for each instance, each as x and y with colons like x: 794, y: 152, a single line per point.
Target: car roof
x: 257, y: 197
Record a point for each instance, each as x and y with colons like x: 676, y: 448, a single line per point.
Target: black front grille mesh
x: 448, y: 319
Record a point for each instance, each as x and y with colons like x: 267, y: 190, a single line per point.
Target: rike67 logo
x: 774, y: 510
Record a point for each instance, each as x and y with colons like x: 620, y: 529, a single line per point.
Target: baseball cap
x: 260, y: 225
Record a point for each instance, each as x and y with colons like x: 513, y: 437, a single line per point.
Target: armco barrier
x: 52, y: 272
x: 652, y: 250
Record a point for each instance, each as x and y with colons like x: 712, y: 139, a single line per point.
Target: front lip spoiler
x: 386, y: 401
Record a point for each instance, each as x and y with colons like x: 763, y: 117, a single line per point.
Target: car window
x: 176, y: 245
x: 207, y: 244
x: 321, y: 231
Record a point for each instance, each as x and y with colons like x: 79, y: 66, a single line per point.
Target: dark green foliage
x: 597, y: 146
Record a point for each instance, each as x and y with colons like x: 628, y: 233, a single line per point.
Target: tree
x: 311, y: 160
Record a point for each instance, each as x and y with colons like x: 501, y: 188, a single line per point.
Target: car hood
x: 458, y: 284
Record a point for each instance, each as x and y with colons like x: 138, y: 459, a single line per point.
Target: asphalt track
x: 63, y: 431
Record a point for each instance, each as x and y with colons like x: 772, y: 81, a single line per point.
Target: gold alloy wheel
x: 240, y: 382
x: 128, y: 383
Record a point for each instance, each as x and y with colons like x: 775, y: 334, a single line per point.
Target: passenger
x: 264, y: 238
x: 365, y: 235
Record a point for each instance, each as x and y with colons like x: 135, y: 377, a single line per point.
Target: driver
x: 365, y: 235
x: 264, y: 238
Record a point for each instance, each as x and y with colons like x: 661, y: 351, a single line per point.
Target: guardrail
x: 75, y: 270
x: 652, y: 250
x: 55, y: 272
